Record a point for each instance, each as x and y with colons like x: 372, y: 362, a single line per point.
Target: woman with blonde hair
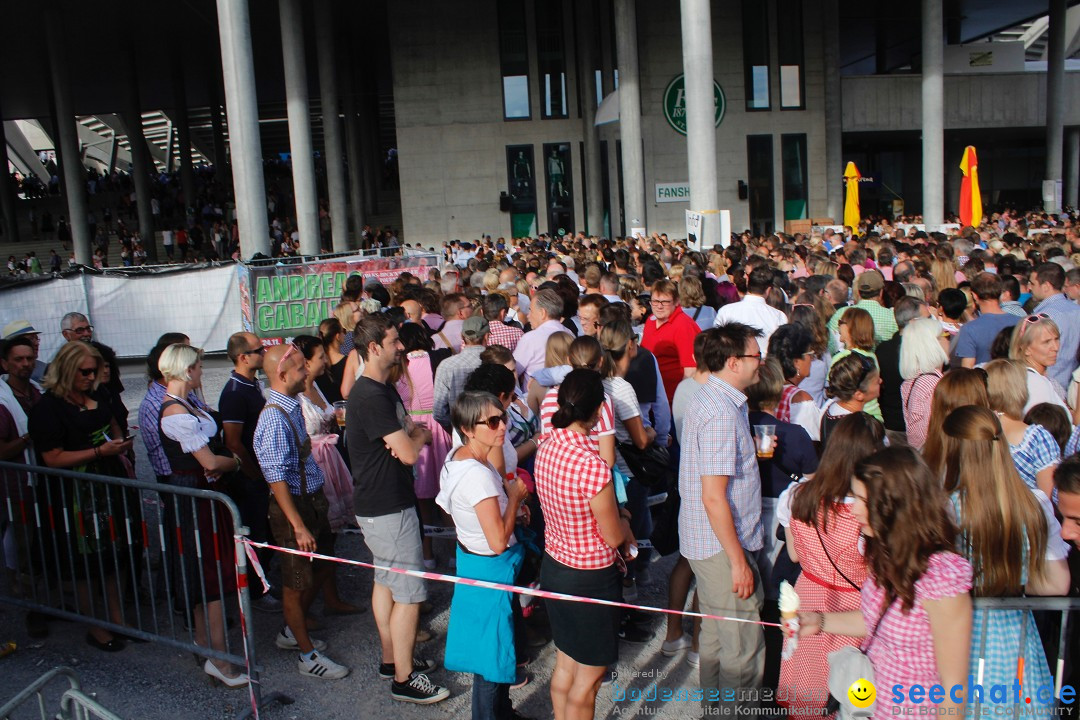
x: 1011, y: 538
x: 943, y: 271
x: 958, y: 387
x: 692, y: 299
x: 73, y: 427
x: 1036, y: 341
x: 921, y: 360
x: 189, y: 438
x: 555, y: 369
x: 1034, y: 450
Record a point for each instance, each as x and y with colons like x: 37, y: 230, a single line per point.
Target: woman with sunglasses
x: 792, y: 347
x: 1036, y: 341
x: 584, y: 528
x: 484, y: 507
x: 73, y: 427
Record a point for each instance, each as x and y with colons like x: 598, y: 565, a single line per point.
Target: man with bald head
x: 240, y: 403
x: 414, y: 311
x: 298, y: 509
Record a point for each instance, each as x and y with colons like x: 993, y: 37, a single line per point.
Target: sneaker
x: 386, y: 670
x: 287, y: 641
x: 671, y: 648
x: 693, y: 659
x: 267, y: 604
x: 629, y: 591
x: 322, y: 667
x: 418, y: 690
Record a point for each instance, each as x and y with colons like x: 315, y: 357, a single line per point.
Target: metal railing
x: 148, y: 561
x: 74, y: 703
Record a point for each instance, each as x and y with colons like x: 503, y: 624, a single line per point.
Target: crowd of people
x: 887, y: 420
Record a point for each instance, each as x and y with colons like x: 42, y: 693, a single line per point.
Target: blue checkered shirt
x: 722, y: 444
x: 276, y: 448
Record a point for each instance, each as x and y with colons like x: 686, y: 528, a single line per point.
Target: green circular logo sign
x: 675, y: 103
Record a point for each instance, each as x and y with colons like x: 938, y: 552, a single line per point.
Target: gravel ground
x: 150, y: 681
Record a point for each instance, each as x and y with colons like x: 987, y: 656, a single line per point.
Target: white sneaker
x: 287, y: 641
x: 670, y: 648
x: 321, y: 666
x: 693, y: 659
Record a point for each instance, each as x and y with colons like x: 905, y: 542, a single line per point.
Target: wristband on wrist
x: 821, y: 622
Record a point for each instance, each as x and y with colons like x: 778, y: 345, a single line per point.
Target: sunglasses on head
x: 1032, y: 320
x: 293, y: 347
x: 868, y: 367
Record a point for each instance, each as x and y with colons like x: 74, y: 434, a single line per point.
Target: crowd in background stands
x: 540, y: 395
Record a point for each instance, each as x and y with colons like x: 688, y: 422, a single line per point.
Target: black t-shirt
x: 890, y: 402
x: 55, y: 423
x: 384, y: 484
x: 241, y: 401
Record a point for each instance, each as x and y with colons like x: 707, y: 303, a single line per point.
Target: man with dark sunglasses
x: 240, y: 404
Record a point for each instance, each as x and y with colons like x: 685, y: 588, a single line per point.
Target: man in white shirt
x: 752, y: 310
x: 545, y: 318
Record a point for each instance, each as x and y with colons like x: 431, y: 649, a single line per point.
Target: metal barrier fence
x: 1045, y: 606
x: 74, y: 703
x: 149, y: 561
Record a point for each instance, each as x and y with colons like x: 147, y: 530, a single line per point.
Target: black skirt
x: 589, y: 634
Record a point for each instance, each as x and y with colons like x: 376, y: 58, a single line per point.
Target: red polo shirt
x: 673, y: 345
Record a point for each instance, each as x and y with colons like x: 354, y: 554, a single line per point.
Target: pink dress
x: 338, y: 485
x: 903, y: 651
x: 417, y: 392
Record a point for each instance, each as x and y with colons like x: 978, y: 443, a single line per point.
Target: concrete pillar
x: 372, y: 156
x: 67, y: 138
x: 701, y: 116
x: 296, y: 102
x: 1055, y: 100
x: 141, y: 166
x: 1072, y: 168
x: 933, y: 113
x: 353, y: 147
x: 630, y: 114
x: 333, y: 150
x: 834, y: 132
x: 594, y: 208
x: 238, y: 70
x: 7, y: 192
x: 183, y: 136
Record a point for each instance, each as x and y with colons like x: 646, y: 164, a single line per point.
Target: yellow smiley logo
x: 862, y: 693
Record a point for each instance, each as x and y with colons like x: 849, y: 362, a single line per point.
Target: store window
x: 759, y: 163
x: 559, y: 181
x: 551, y: 59
x: 789, y: 29
x: 514, y: 60
x: 521, y: 179
x: 796, y: 186
x: 755, y: 21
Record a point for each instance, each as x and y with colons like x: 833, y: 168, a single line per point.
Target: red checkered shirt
x: 569, y: 473
x: 500, y: 333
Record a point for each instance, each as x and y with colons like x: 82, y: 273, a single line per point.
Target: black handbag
x: 649, y: 466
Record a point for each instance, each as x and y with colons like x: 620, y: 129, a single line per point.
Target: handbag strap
x: 829, y: 557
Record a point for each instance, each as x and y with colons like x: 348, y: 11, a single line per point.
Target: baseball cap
x: 474, y: 327
x: 18, y: 327
x: 870, y: 281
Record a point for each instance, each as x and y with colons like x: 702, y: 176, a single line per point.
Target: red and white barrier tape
x: 534, y: 592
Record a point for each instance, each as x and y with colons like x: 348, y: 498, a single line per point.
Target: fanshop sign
x: 675, y: 103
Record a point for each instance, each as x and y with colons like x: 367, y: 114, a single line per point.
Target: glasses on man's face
x: 756, y: 356
x: 88, y: 372
x: 257, y: 351
x: 494, y: 421
x: 84, y: 330
x: 660, y: 303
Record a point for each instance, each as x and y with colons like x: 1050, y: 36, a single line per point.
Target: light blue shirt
x: 1066, y: 314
